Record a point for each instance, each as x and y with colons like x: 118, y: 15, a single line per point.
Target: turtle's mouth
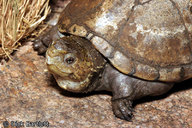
x: 65, y: 81
x: 54, y: 70
x: 71, y: 86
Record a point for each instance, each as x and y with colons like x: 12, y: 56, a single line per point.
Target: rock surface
x: 29, y: 93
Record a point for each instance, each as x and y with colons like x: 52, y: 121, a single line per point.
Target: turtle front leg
x: 125, y: 89
x: 42, y: 42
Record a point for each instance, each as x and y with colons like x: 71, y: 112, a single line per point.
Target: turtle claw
x: 42, y: 42
x: 123, y: 109
x: 39, y: 46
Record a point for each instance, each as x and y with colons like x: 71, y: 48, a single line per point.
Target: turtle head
x: 74, y: 63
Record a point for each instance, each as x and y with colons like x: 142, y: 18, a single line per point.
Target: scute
x: 156, y: 35
x: 153, y: 38
x: 76, y: 12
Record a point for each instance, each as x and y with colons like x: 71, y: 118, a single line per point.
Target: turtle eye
x: 190, y: 9
x: 69, y: 58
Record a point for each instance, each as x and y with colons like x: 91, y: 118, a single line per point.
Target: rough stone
x: 29, y: 93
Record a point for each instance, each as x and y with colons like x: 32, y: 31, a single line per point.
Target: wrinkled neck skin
x: 124, y: 86
x: 95, y: 83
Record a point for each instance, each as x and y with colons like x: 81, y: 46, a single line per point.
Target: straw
x: 18, y: 19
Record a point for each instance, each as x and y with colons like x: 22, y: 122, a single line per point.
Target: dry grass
x: 18, y: 18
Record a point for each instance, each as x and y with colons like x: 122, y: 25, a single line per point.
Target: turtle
x: 133, y: 48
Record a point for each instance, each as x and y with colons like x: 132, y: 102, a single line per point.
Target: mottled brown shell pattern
x: 149, y: 39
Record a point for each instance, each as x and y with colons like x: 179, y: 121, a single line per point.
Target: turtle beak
x: 54, y: 70
x: 71, y: 85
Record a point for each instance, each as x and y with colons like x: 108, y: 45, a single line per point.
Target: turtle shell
x: 149, y: 39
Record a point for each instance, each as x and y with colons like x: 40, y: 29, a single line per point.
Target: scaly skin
x: 78, y: 67
x: 135, y: 39
x: 126, y: 89
x: 75, y: 63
